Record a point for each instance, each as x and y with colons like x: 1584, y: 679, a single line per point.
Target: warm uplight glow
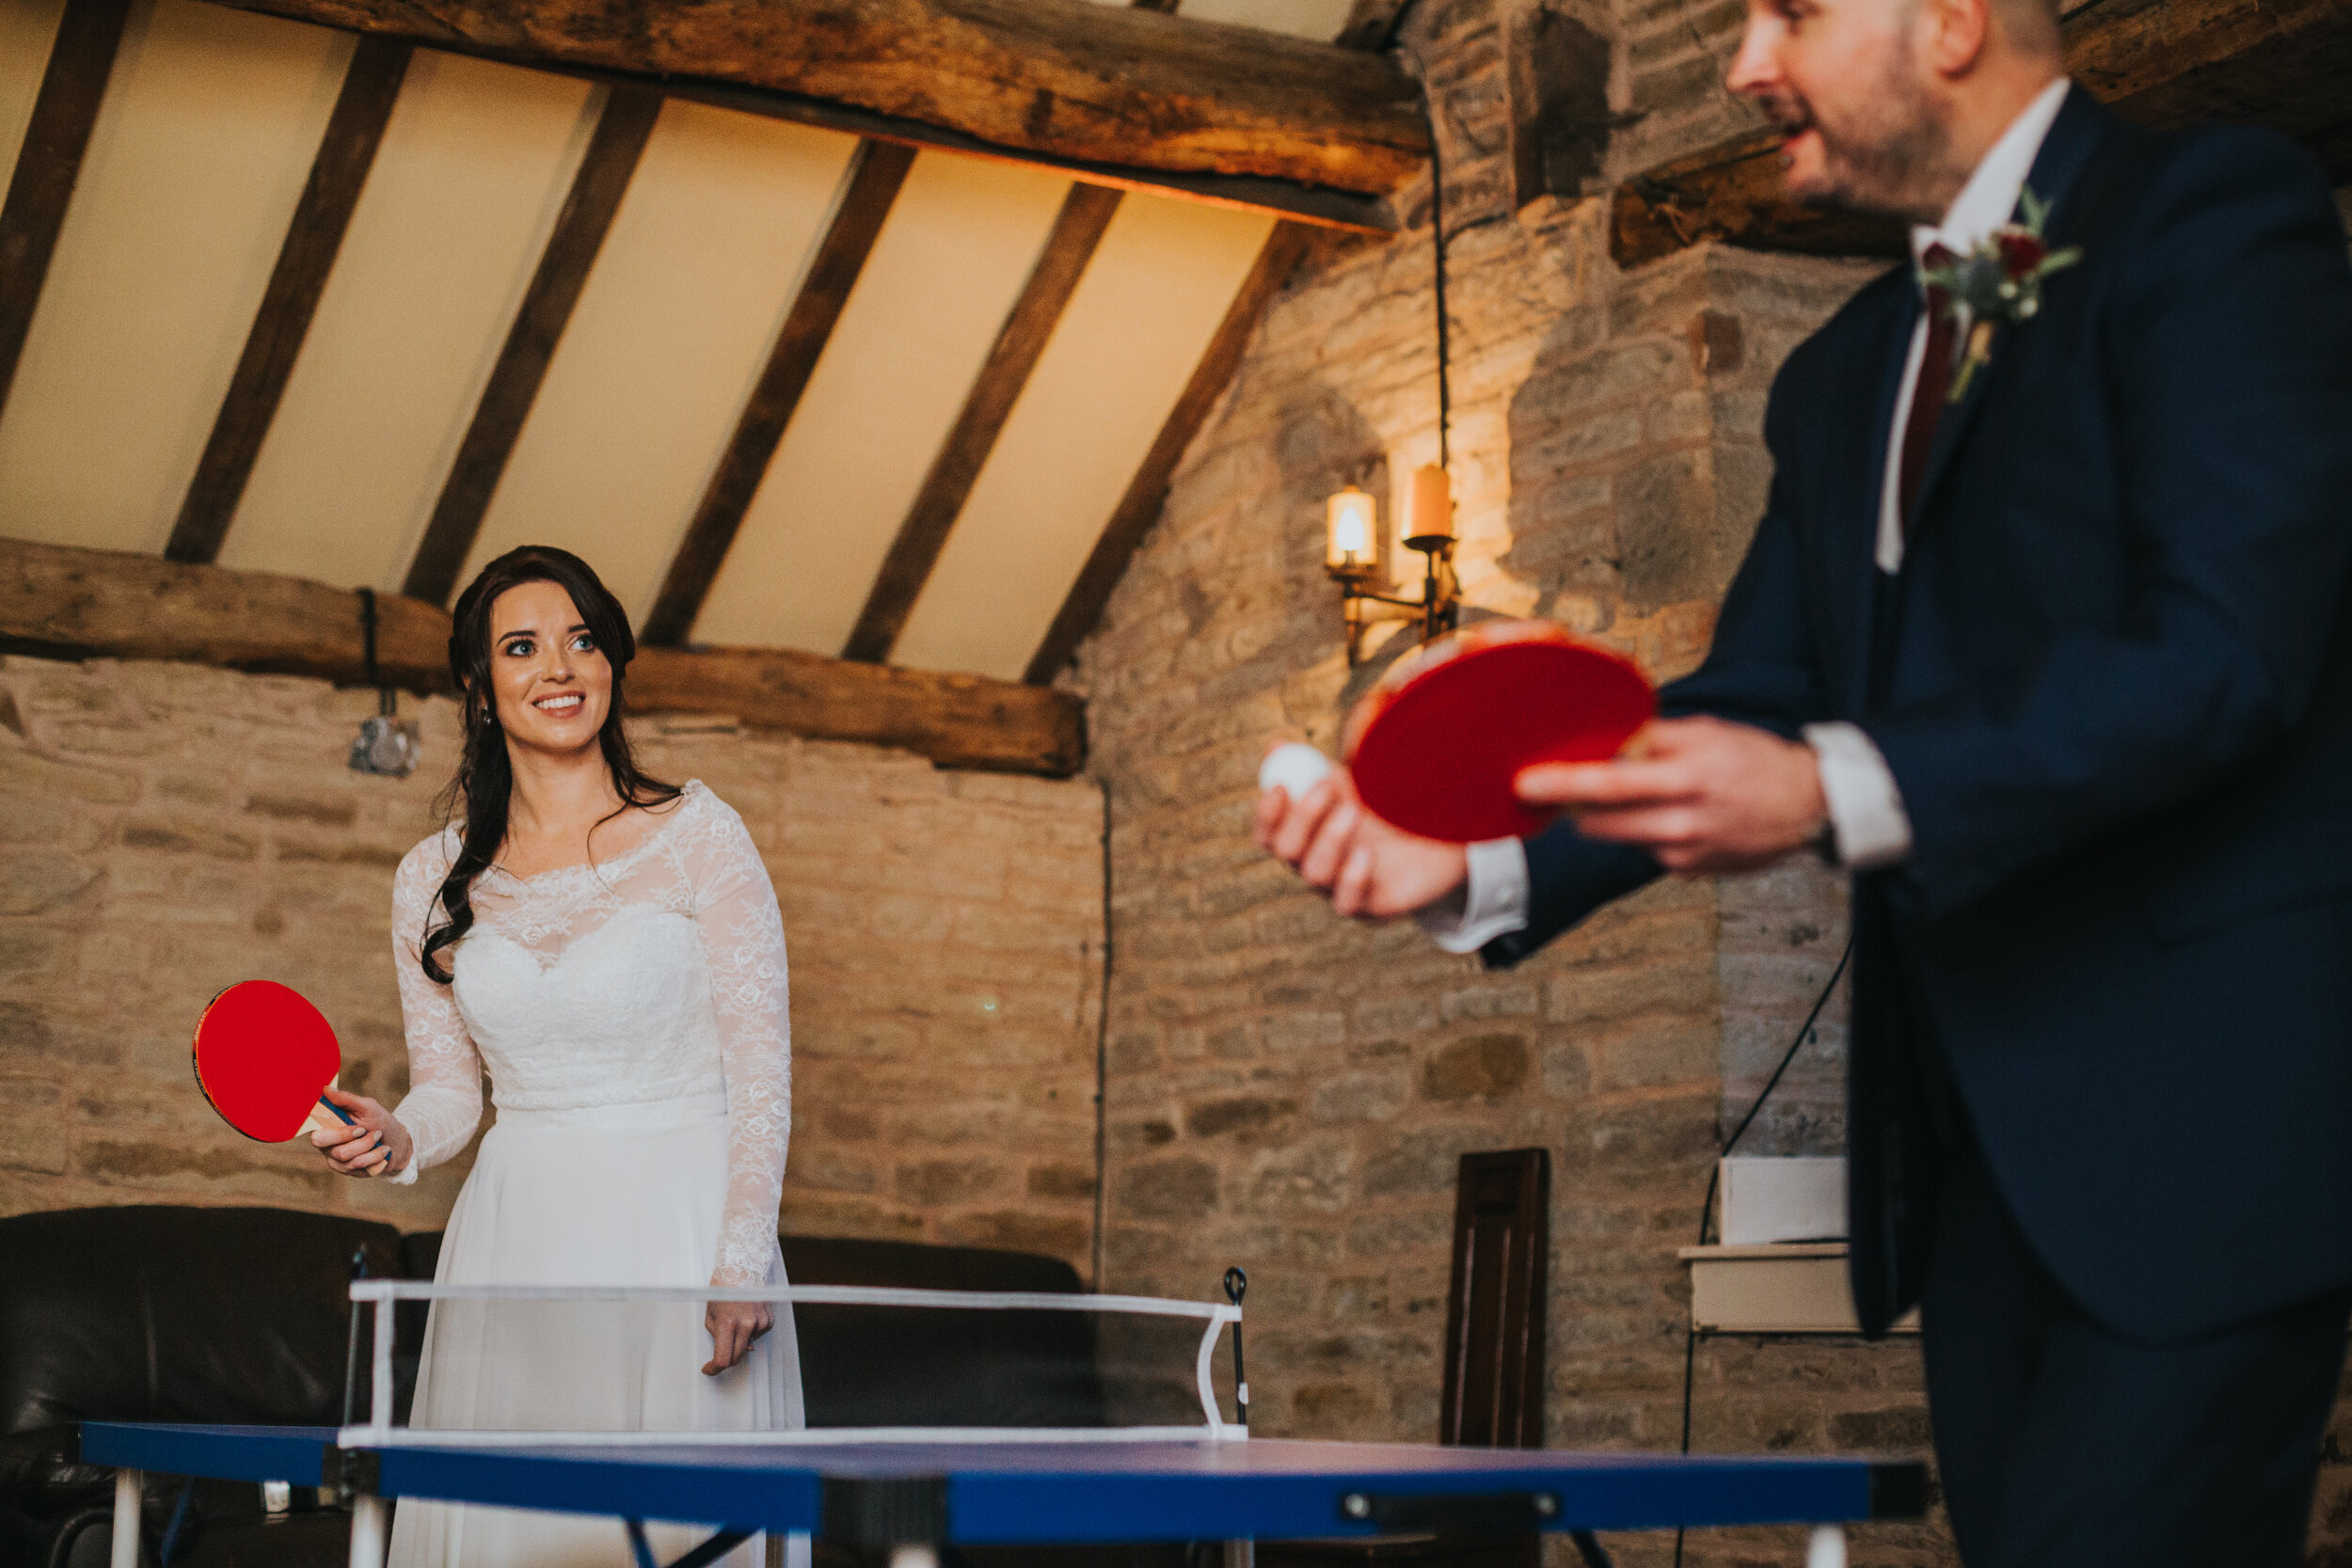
x: 1352, y: 520
x: 1428, y: 519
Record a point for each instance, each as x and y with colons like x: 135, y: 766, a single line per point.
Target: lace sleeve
x: 443, y: 1105
x: 743, y: 933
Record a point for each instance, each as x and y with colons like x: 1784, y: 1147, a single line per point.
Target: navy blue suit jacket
x: 2118, y: 704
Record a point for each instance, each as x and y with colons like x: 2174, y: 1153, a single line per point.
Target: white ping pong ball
x: 1295, y: 766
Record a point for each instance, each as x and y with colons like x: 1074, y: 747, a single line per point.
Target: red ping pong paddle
x: 1434, y: 746
x: 264, y: 1058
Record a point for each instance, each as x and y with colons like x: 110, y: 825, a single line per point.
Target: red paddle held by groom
x: 1499, y: 730
x: 1434, y: 753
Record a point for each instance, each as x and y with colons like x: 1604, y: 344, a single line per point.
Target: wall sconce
x: 1351, y: 557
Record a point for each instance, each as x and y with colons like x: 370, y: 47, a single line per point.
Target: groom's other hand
x: 1368, y: 869
x: 1700, y: 794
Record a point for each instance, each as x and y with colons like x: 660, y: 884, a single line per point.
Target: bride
x: 610, y: 948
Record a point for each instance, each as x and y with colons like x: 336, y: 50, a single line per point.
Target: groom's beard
x: 1883, y: 150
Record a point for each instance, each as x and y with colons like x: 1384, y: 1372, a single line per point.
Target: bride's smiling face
x: 550, y: 683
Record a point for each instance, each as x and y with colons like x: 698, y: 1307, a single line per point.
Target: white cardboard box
x: 1771, y: 1198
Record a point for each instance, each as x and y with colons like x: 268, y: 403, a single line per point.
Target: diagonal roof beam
x: 622, y: 132
x: 354, y: 132
x: 1086, y: 212
x: 877, y: 169
x: 1151, y: 94
x: 64, y: 111
x: 1132, y: 518
x: 1370, y: 24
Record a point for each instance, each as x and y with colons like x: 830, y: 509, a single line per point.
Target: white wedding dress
x: 633, y: 1018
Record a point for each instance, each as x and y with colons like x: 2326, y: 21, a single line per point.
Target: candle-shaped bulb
x: 1350, y: 523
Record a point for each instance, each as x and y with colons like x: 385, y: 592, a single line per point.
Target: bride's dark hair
x: 484, y: 777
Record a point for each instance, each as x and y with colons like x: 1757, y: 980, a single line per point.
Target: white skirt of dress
x: 624, y: 1195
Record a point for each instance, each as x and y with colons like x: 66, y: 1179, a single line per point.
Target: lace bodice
x: 655, y: 975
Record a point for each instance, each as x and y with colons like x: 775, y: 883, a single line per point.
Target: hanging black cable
x: 1437, y: 246
x: 1714, y: 1176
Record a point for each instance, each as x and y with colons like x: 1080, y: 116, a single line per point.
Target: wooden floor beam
x: 1086, y: 212
x: 60, y: 602
x: 877, y: 170
x: 622, y: 132
x: 64, y: 111
x: 338, y: 174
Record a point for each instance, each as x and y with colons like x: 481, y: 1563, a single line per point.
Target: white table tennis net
x: 381, y: 1430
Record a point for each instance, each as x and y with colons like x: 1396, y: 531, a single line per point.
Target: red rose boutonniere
x: 1998, y: 281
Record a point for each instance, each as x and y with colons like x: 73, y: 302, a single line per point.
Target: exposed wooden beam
x: 1325, y: 206
x: 59, y: 602
x: 1371, y: 24
x: 63, y: 602
x: 1132, y: 518
x: 353, y: 131
x: 622, y: 131
x: 877, y: 170
x: 2283, y: 63
x: 65, y: 110
x: 1086, y: 211
x: 1732, y: 191
x: 956, y: 721
x: 1062, y: 78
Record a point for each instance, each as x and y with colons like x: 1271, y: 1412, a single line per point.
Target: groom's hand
x: 1368, y: 869
x: 1700, y: 794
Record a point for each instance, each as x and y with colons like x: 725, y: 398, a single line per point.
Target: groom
x: 2044, y: 635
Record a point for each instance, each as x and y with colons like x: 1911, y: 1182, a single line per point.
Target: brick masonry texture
x: 1289, y: 1091
x: 171, y: 829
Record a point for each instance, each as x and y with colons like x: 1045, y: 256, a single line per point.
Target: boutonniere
x: 1998, y: 281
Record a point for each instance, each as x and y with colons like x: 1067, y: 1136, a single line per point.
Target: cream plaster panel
x: 473, y: 170
x: 193, y: 172
x: 946, y: 267
x: 694, y: 278
x: 1161, y: 280
x: 26, y: 28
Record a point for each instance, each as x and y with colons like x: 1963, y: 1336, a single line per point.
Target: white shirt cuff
x: 1493, y: 902
x: 1866, y: 810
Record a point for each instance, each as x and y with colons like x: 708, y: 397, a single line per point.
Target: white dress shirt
x: 1865, y: 809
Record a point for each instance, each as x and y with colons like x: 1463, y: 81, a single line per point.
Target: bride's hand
x: 376, y: 1145
x: 734, y: 1324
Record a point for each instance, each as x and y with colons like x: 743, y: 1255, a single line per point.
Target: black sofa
x: 241, y: 1315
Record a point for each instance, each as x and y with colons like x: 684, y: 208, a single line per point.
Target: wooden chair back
x: 1494, y: 1319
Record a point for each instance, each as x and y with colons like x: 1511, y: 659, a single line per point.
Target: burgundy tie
x: 1926, y: 399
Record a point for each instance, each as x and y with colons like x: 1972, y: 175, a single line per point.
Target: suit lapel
x: 2081, y: 124
x: 1852, y: 532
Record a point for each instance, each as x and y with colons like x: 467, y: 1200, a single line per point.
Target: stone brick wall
x: 1674, y: 55
x: 171, y: 828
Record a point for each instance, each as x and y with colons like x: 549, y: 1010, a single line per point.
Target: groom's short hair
x: 2032, y: 24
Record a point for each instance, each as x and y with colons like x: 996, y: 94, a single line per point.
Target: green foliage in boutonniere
x: 1998, y: 281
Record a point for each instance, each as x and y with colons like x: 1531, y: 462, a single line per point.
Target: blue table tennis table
x: 901, y: 1502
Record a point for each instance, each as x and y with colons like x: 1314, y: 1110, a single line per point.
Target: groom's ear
x: 1954, y: 36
